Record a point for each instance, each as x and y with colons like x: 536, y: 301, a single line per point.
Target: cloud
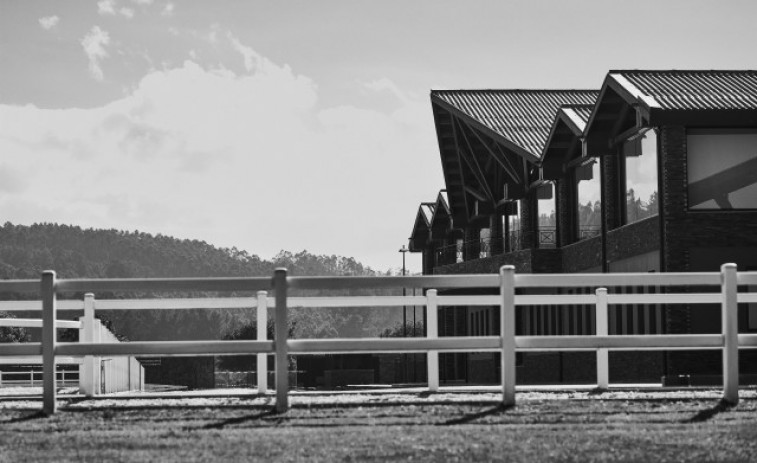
x: 384, y: 84
x: 94, y: 44
x: 247, y: 159
x: 143, y: 2
x: 49, y: 22
x: 106, y: 7
x: 128, y: 13
x: 168, y: 9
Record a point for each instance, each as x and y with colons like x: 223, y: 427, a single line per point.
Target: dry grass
x: 572, y: 426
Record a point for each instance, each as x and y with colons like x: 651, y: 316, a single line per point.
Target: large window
x: 640, y: 155
x: 722, y: 169
x: 589, y: 207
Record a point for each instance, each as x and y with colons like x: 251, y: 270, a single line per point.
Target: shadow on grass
x: 474, y: 416
x: 240, y: 419
x: 29, y: 417
x: 704, y: 415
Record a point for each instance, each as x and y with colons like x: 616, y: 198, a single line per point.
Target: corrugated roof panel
x: 523, y: 117
x: 579, y: 114
x: 692, y: 90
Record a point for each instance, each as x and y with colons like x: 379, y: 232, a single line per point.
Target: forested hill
x: 73, y: 252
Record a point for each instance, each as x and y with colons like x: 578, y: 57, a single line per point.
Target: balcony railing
x: 588, y: 231
x: 478, y: 249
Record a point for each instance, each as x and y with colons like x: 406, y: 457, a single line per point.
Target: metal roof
x: 523, y: 117
x: 691, y: 90
x: 578, y: 114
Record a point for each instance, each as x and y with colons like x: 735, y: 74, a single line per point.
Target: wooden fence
x: 669, y: 291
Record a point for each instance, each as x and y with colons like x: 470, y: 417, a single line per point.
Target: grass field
x: 565, y: 426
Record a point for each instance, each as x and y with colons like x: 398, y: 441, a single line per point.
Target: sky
x: 296, y: 125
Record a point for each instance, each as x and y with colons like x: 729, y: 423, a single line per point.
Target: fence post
x: 507, y: 333
x: 432, y: 332
x: 729, y: 314
x: 47, y: 290
x: 87, y: 334
x: 262, y: 322
x: 281, y: 327
x: 603, y: 368
x: 97, y: 360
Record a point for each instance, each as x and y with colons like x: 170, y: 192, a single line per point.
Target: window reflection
x: 641, y: 176
x: 589, y: 208
x: 546, y: 234
x: 514, y: 235
x: 722, y: 169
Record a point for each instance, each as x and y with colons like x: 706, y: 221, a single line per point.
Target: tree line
x: 74, y: 252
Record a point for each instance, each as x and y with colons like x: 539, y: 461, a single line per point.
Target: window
x: 640, y: 155
x: 514, y: 235
x: 589, y: 207
x: 547, y: 219
x: 722, y: 169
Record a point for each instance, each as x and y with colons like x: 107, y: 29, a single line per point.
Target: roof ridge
x: 686, y: 71
x: 518, y: 90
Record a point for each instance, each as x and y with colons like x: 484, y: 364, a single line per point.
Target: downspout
x: 603, y: 215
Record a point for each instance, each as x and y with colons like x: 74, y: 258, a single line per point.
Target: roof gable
x: 519, y: 118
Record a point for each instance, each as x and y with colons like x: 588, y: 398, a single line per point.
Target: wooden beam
x: 478, y: 172
x: 476, y: 193
x: 503, y: 161
x: 623, y: 136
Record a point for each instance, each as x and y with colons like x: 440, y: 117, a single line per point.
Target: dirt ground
x: 690, y: 425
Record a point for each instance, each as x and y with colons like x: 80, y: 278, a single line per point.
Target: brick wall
x: 582, y: 255
x: 633, y: 239
x: 687, y: 239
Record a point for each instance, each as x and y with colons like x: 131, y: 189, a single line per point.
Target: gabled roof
x: 563, y: 142
x: 421, y: 227
x: 673, y: 97
x: 440, y: 220
x: 684, y: 90
x: 520, y: 119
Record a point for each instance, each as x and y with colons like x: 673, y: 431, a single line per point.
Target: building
x: 655, y: 171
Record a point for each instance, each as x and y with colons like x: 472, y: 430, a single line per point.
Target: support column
x: 496, y: 239
x: 528, y: 221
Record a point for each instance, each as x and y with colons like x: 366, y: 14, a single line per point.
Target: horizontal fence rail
x: 506, y: 293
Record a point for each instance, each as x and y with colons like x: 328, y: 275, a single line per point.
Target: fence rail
x: 505, y: 285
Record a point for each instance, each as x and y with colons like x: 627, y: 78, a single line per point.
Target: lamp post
x: 403, y: 250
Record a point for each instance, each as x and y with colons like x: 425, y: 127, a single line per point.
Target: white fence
x: 95, y: 375
x: 505, y: 284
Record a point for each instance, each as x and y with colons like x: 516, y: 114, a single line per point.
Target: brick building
x: 655, y: 171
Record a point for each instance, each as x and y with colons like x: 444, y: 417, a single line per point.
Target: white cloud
x: 168, y: 9
x: 127, y: 13
x: 246, y: 160
x: 386, y: 85
x: 94, y: 44
x: 106, y: 7
x: 49, y: 22
x: 143, y: 2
